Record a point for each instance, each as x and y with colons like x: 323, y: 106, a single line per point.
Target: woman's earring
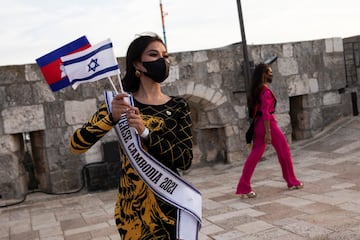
x: 137, y: 73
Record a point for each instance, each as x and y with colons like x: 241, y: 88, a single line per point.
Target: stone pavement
x: 328, y: 208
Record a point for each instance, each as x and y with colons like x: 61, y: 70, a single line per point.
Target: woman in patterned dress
x: 164, y: 124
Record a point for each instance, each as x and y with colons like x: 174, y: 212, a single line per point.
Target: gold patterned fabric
x: 139, y: 213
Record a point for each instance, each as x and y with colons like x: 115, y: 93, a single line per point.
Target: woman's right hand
x: 119, y: 105
x: 268, y: 137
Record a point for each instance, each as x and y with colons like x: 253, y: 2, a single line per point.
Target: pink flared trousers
x: 282, y: 149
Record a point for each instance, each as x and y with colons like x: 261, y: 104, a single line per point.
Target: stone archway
x: 215, y: 124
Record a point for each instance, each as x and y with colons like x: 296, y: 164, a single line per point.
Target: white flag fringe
x: 91, y: 64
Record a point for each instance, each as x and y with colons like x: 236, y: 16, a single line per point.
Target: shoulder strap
x: 163, y: 182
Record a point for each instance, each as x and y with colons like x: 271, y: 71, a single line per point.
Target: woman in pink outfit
x: 266, y: 131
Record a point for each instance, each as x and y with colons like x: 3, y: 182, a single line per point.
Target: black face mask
x: 157, y: 70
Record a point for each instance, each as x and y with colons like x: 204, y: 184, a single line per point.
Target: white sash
x: 162, y: 181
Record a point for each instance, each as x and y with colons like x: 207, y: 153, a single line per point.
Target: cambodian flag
x: 51, y: 64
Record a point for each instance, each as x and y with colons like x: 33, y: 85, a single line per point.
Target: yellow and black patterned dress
x: 139, y: 213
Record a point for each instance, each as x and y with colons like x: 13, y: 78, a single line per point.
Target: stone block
x: 284, y: 122
x: 9, y: 144
x: 287, y: 51
x: 221, y: 101
x: 217, y: 97
x: 190, y: 87
x: 324, y: 81
x: 212, y: 118
x: 94, y: 154
x: 186, y: 72
x: 79, y: 112
x: 282, y: 106
x: 201, y: 73
x: 333, y: 45
x: 287, y: 66
x: 241, y: 111
x: 33, y: 73
x: 213, y: 66
x: 42, y: 92
x: 55, y: 159
x: 200, y: 56
x: 313, y: 85
x: 23, y: 119
x: 214, y: 80
x: 186, y: 58
x: 311, y: 101
x: 173, y: 74
x: 171, y: 90
x: 13, y: 74
x: 227, y: 63
x: 331, y: 98
x: 199, y: 90
x: 54, y: 115
x: 19, y: 95
x: 181, y: 88
x: 226, y: 113
x: 11, y: 176
x: 53, y: 137
x: 338, y: 45
x: 302, y: 85
x: 209, y: 93
x: 316, y: 122
x: 2, y: 97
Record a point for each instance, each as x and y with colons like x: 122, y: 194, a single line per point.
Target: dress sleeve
x: 266, y: 102
x: 85, y: 137
x: 174, y: 148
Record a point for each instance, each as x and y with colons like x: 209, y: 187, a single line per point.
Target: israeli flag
x: 92, y: 64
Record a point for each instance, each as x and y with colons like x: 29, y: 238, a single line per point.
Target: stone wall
x: 309, y: 80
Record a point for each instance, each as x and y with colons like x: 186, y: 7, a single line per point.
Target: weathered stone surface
x: 301, y: 85
x: 311, y: 74
x: 42, y: 92
x: 287, y: 50
x: 333, y: 45
x: 213, y: 66
x: 200, y: 56
x: 331, y: 98
x: 54, y: 115
x: 11, y: 170
x: 2, y: 97
x: 173, y: 74
x: 19, y: 95
x: 12, y: 74
x: 77, y: 112
x: 288, y: 66
x: 33, y: 73
x: 23, y: 119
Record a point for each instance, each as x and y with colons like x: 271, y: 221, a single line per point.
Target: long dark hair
x: 136, y: 48
x: 256, y: 85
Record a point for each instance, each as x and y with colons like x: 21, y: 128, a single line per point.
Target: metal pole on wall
x: 244, y: 45
x: 163, y: 22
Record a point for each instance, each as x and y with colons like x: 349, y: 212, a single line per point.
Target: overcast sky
x: 32, y: 28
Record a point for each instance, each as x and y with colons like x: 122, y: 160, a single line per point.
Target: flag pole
x: 113, y: 85
x: 121, y: 87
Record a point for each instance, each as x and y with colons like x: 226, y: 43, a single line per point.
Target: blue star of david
x: 93, y: 65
